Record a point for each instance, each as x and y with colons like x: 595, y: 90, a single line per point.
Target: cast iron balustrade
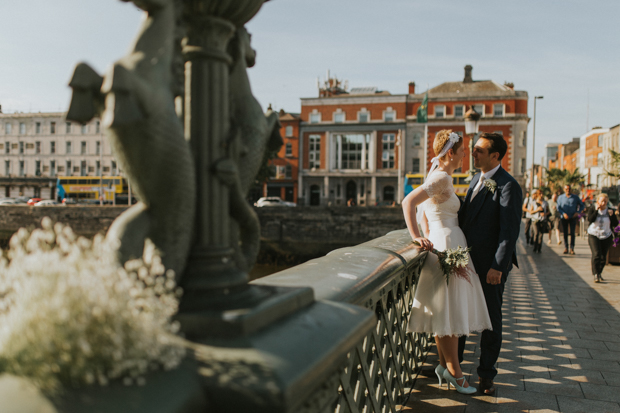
x: 379, y: 275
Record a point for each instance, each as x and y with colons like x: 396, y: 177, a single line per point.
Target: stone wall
x: 287, y: 234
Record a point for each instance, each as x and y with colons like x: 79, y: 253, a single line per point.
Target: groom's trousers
x: 490, y: 341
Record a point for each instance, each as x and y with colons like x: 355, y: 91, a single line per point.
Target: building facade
x: 357, y: 146
x: 611, y: 142
x: 36, y: 148
x: 591, y: 156
x: 285, y: 166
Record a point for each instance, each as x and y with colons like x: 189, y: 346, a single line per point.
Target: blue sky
x: 565, y: 50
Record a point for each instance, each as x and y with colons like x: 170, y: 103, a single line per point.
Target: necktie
x: 478, y: 187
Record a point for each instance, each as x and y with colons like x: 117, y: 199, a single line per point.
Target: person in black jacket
x: 600, y: 234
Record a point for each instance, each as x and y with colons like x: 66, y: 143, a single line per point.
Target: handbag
x: 544, y: 226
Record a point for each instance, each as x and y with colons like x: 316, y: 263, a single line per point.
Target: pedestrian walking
x: 554, y: 219
x: 569, y: 208
x: 527, y: 218
x: 539, y: 211
x: 600, y: 234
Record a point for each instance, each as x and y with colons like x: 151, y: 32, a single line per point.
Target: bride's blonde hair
x: 441, y: 138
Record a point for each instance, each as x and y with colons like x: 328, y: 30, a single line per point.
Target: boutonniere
x: 491, y: 185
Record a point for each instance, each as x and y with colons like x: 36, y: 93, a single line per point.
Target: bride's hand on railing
x: 424, y: 243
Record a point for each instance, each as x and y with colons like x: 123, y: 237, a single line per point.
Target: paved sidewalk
x: 561, y: 350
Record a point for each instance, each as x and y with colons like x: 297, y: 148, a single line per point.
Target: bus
x: 460, y: 181
x: 83, y: 188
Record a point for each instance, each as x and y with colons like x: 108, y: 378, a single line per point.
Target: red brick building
x: 286, y: 164
x: 359, y: 144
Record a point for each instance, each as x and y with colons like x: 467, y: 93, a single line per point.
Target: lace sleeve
x: 438, y: 187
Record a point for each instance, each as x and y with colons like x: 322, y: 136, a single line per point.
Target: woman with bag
x: 600, y: 234
x: 540, y: 224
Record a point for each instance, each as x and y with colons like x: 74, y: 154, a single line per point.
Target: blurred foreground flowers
x: 70, y: 315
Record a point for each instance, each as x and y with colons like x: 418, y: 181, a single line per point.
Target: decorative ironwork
x: 382, y: 367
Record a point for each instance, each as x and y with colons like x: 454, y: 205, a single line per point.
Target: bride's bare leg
x: 449, y: 349
x: 442, y: 359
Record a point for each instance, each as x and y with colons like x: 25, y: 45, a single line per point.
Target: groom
x: 490, y: 217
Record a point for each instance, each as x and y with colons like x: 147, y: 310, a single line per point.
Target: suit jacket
x: 491, y: 223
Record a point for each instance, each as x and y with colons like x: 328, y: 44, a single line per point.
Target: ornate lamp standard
x: 472, y: 120
x: 533, y: 142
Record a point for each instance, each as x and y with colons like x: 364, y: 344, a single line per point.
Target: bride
x: 448, y: 310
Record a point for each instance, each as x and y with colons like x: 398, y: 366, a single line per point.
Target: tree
x: 558, y: 178
x: 615, y: 164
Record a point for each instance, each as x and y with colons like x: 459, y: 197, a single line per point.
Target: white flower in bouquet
x: 70, y: 315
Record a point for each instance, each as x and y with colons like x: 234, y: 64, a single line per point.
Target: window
x: 97, y: 168
x: 498, y: 109
x: 459, y: 111
x: 499, y: 132
x: 522, y: 165
x: 113, y: 167
x: 68, y: 147
x: 68, y: 167
x: 599, y: 160
x: 52, y: 147
x: 7, y: 168
x: 22, y: 128
x: 98, y: 148
x: 7, y: 128
x: 83, y: 170
x: 363, y: 116
x: 83, y: 148
x: 21, y: 147
x: 37, y: 127
x: 7, y: 148
x: 440, y: 111
x: 52, y: 168
x: 289, y: 131
x: 315, y: 117
x: 338, y: 117
x: 22, y: 168
x: 389, y: 115
x: 389, y: 140
x: 523, y: 141
x: 84, y: 129
x: 600, y: 141
x: 289, y: 150
x: 37, y: 147
x: 52, y: 128
x: 37, y: 168
x: 415, y: 166
x: 479, y: 109
x: 288, y: 172
x: 67, y: 127
x: 314, y: 151
x: 354, y: 151
x: 417, y: 139
x: 97, y: 127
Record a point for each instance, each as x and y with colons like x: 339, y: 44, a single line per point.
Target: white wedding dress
x: 457, y: 308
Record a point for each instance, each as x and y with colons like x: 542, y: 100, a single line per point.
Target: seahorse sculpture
x: 135, y: 100
x: 252, y: 132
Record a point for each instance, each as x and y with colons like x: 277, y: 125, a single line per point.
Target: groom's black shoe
x: 486, y: 386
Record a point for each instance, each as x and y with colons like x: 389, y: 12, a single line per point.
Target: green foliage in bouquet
x: 71, y: 316
x: 453, y: 262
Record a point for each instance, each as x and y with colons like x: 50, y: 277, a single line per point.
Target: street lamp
x: 533, y: 143
x: 472, y: 120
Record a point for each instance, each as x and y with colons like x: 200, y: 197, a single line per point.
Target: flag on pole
x: 422, y: 114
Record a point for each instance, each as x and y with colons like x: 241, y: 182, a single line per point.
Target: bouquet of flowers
x: 453, y: 262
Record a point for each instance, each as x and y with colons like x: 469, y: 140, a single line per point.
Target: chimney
x: 412, y: 88
x: 468, y: 78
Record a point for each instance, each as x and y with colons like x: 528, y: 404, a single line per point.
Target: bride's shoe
x: 453, y: 381
x: 439, y: 372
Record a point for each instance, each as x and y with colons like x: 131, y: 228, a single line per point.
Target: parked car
x: 69, y: 201
x: 33, y: 201
x: 270, y: 201
x: 8, y: 201
x: 22, y: 199
x: 47, y: 202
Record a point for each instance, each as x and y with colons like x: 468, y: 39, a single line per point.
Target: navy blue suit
x: 491, y: 223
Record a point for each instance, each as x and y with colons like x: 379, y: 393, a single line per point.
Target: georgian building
x: 357, y: 145
x: 591, y: 156
x: 36, y: 148
x: 286, y: 164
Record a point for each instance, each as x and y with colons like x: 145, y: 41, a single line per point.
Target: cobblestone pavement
x: 561, y: 349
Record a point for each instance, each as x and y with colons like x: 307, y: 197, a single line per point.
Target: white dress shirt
x: 483, y: 178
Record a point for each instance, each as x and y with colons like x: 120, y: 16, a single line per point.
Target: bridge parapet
x: 379, y: 275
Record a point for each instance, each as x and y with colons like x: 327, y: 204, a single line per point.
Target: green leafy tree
x: 614, y: 170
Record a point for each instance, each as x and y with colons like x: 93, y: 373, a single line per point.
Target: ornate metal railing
x: 379, y: 275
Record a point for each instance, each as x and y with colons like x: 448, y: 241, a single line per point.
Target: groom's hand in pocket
x: 494, y: 277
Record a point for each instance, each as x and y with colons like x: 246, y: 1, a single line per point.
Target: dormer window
x: 389, y: 115
x: 315, y: 117
x: 339, y: 116
x: 363, y: 116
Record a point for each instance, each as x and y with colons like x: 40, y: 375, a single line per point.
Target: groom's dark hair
x: 498, y: 144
